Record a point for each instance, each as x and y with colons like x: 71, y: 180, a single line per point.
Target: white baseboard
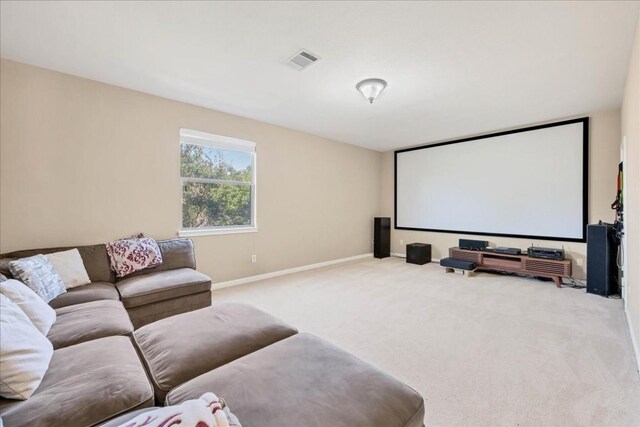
x: 257, y: 277
x: 399, y: 255
x: 634, y: 343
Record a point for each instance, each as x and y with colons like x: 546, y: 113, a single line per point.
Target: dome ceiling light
x: 371, y: 88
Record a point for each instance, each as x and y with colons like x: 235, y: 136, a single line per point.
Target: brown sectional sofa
x: 104, y: 371
x: 269, y: 374
x: 173, y: 287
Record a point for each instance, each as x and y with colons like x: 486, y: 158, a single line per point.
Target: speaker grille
x: 545, y: 266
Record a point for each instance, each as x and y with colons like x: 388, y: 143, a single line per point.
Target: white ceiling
x: 453, y: 68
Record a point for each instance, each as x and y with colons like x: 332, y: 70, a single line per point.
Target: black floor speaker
x: 382, y: 237
x: 602, y: 267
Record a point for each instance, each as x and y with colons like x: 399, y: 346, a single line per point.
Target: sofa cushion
x: 182, y: 347
x: 94, y: 291
x: 306, y: 381
x: 89, y: 321
x: 86, y: 384
x: 462, y: 264
x: 94, y: 257
x: 161, y: 285
x: 145, y: 314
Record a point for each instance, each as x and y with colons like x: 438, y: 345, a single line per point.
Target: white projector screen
x: 529, y: 182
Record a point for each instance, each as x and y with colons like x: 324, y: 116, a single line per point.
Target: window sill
x: 214, y: 231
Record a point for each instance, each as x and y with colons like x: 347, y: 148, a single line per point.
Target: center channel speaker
x: 382, y: 237
x: 473, y: 245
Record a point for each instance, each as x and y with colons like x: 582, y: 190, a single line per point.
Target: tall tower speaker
x: 602, y: 267
x: 382, y: 237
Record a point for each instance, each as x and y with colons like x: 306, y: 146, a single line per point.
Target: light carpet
x: 490, y: 350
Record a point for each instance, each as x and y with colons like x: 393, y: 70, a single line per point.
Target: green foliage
x: 213, y: 204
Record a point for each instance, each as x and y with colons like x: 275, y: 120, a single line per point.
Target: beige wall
x: 604, y: 145
x: 85, y: 162
x: 631, y: 130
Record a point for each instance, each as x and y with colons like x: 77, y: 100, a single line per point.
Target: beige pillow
x: 70, y: 267
x: 24, y: 353
x: 39, y: 312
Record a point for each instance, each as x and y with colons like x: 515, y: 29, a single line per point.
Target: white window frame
x: 195, y: 137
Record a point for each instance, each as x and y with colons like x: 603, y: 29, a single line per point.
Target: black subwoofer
x: 418, y: 253
x: 382, y: 237
x: 602, y: 267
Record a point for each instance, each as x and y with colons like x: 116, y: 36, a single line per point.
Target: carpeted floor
x: 490, y: 350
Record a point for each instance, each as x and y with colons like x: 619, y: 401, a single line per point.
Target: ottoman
x: 453, y: 265
x: 306, y: 381
x: 181, y: 347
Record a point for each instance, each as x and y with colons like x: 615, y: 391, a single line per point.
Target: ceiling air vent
x: 302, y: 60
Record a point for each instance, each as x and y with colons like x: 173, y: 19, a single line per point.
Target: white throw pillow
x: 25, y: 353
x: 39, y: 312
x: 70, y: 267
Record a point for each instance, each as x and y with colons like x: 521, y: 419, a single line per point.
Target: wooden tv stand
x: 521, y: 264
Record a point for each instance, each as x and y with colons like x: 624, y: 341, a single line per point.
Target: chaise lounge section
x: 305, y: 381
x: 171, y: 288
x: 182, y: 347
x: 269, y: 374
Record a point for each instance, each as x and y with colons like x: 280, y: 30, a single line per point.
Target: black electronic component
x: 473, y: 245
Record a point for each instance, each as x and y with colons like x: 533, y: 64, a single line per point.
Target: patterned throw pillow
x: 207, y: 411
x: 39, y: 274
x: 130, y: 255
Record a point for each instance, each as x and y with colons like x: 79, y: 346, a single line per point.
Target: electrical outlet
x: 401, y: 242
x: 254, y: 258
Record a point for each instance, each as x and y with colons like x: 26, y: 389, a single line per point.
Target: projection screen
x: 530, y: 182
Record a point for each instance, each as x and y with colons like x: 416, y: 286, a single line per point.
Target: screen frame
x: 585, y: 180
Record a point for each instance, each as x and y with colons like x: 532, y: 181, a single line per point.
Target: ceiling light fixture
x: 371, y: 88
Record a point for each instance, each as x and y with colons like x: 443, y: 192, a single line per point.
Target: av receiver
x: 546, y: 253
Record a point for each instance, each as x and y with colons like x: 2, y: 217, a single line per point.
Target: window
x: 218, y: 183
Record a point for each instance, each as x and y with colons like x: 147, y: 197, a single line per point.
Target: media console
x: 522, y: 264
